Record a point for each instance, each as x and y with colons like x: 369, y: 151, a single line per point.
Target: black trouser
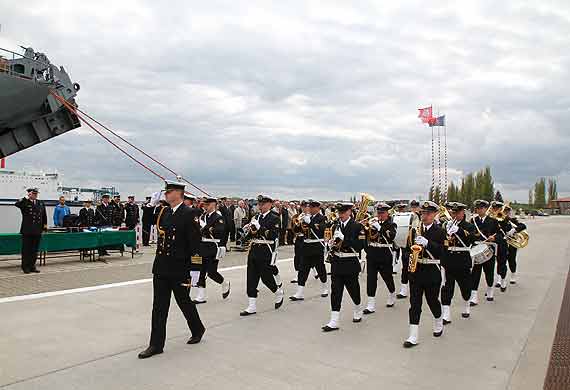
x: 260, y: 268
x: 457, y: 269
x: 308, y: 262
x: 290, y: 236
x: 146, y: 233
x: 502, y: 260
x: 382, y: 266
x: 297, y: 259
x: 30, y: 246
x: 210, y: 268
x: 426, y: 280
x: 162, y: 289
x: 282, y: 237
x: 232, y: 229
x: 338, y: 283
x: 405, y: 264
x: 512, y: 258
x: 489, y: 268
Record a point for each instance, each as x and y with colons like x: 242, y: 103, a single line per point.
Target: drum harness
x: 493, y: 244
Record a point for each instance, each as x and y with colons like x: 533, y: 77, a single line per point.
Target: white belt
x: 313, y: 240
x: 299, y: 235
x: 345, y: 255
x: 210, y: 240
x: 458, y: 249
x: 428, y: 261
x: 263, y: 242
x: 378, y: 245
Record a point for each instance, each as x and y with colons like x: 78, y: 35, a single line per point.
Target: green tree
x: 540, y: 193
x: 530, y: 198
x: 552, y: 190
x: 499, y: 196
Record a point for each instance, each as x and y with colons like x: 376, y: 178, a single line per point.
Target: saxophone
x: 415, y: 248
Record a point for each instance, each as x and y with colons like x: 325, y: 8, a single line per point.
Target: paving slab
x: 90, y: 340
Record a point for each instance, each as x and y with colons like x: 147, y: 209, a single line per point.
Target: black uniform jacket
x: 464, y: 237
x: 131, y: 214
x: 353, y: 242
x: 386, y: 236
x: 118, y: 214
x: 34, y: 216
x: 269, y: 230
x: 436, y: 236
x: 87, y: 217
x: 488, y: 227
x: 104, y: 215
x: 215, y: 228
x: 147, y: 214
x: 178, y: 240
x: 316, y: 230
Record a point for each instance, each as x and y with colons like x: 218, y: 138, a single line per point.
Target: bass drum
x: 403, y: 222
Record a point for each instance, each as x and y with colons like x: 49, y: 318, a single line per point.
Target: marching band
x: 439, y: 247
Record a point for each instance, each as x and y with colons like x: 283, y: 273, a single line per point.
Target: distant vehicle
x: 538, y: 213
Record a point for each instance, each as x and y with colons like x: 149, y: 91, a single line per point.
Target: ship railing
x: 6, y: 67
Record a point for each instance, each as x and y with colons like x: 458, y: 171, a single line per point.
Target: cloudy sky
x: 305, y: 98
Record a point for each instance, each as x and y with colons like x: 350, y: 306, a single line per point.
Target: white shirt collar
x: 427, y: 227
x: 176, y: 207
x: 263, y: 215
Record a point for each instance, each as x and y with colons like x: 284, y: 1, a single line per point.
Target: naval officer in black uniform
x: 312, y: 251
x: 264, y: 234
x: 426, y: 279
x: 379, y: 257
x: 348, y: 241
x: 178, y: 241
x: 34, y: 222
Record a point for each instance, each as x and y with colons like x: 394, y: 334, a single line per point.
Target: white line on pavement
x: 103, y: 286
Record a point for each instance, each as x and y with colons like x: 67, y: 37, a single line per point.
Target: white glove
x: 338, y: 234
x: 202, y: 223
x: 421, y: 240
x: 376, y: 226
x: 156, y: 197
x: 307, y: 219
x: 452, y: 229
x: 511, y: 232
x: 256, y: 224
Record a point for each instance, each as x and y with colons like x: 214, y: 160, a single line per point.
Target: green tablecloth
x: 11, y: 244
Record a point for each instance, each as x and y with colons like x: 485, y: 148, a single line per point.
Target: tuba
x: 363, y: 209
x: 518, y: 240
x: 443, y: 214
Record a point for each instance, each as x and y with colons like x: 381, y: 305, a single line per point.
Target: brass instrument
x: 371, y: 233
x: 415, y: 248
x: 499, y: 215
x: 443, y: 214
x: 518, y: 240
x: 363, y: 209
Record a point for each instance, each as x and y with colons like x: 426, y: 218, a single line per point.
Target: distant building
x: 560, y: 205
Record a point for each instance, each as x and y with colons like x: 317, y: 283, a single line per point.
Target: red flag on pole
x: 425, y: 114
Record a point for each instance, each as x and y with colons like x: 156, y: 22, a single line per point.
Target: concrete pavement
x: 90, y: 340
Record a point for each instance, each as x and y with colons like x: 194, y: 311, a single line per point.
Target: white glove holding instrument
x: 421, y: 240
x: 452, y: 230
x: 202, y: 223
x: 511, y: 232
x: 255, y: 223
x: 307, y: 219
x: 338, y: 234
x: 376, y: 225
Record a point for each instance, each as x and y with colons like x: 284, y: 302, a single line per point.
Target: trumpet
x: 250, y: 228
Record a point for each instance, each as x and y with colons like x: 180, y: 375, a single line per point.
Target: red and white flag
x: 425, y: 114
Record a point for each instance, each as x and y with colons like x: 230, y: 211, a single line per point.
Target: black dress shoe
x: 294, y: 281
x: 366, y: 311
x: 438, y: 334
x: 150, y: 351
x: 227, y: 293
x: 27, y: 271
x: 503, y: 289
x: 389, y: 305
x: 357, y: 320
x: 324, y: 295
x: 465, y: 315
x: 407, y: 344
x: 195, y: 339
x: 198, y: 302
x: 36, y: 271
x: 446, y: 322
x: 246, y: 313
x: 295, y: 299
x: 497, y: 285
x: 278, y: 304
x: 327, y: 328
x: 473, y: 304
x: 400, y: 296
x: 490, y: 299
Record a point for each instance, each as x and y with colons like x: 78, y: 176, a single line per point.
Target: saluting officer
x: 348, y: 241
x: 457, y: 260
x: 379, y: 243
x: 264, y: 233
x: 212, y: 249
x: 178, y: 242
x: 426, y: 279
x: 132, y: 216
x: 87, y: 215
x: 487, y: 231
x: 516, y: 227
x: 34, y: 222
x: 313, y: 251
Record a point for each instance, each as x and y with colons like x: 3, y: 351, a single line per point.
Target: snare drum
x: 481, y: 253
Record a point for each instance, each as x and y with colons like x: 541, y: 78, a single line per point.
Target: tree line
x: 477, y: 185
x: 542, y: 193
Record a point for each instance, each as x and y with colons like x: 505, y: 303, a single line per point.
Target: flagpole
x: 445, y: 157
x: 439, y: 175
